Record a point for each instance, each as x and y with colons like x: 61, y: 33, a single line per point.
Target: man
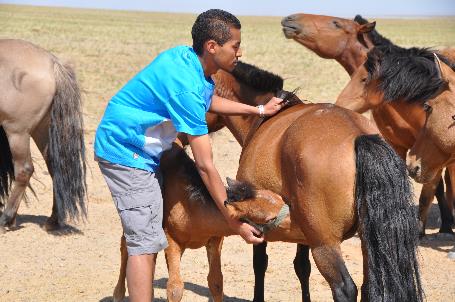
x: 170, y: 95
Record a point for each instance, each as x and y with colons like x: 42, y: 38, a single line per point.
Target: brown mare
x: 348, y: 42
x: 338, y: 177
x: 192, y: 220
x: 396, y: 105
x: 435, y: 145
x: 41, y: 100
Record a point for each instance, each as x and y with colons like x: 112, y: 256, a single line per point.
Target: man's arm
x: 224, y: 106
x: 202, y: 152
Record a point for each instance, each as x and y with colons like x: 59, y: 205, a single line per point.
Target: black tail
x: 388, y: 223
x: 66, y: 145
x: 6, y: 167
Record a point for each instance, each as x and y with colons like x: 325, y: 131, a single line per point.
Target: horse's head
x: 435, y: 145
x: 391, y: 73
x: 257, y: 206
x: 327, y: 36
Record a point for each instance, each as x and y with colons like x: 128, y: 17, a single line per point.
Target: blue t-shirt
x: 141, y: 121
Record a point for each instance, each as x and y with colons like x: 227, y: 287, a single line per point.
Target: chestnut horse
x: 192, y: 220
x: 435, y: 145
x: 392, y: 87
x: 348, y: 42
x: 338, y: 177
x: 41, y: 100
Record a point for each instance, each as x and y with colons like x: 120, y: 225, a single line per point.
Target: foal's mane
x: 195, y: 187
x: 257, y: 78
x: 375, y: 37
x: 408, y: 74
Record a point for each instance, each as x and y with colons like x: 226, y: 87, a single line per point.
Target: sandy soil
x: 81, y: 264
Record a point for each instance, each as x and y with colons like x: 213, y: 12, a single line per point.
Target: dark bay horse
x: 41, y: 100
x: 435, y: 145
x: 192, y: 220
x: 348, y: 42
x: 338, y: 177
x: 393, y: 83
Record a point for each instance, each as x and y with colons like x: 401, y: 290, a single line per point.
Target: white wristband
x: 261, y: 110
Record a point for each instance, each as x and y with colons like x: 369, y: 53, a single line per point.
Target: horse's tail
x: 6, y: 166
x: 388, y: 224
x: 66, y: 145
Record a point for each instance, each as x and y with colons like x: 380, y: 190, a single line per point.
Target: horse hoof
x: 50, y: 226
x: 2, y: 230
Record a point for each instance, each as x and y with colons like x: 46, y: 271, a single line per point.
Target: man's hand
x: 246, y: 231
x: 273, y: 106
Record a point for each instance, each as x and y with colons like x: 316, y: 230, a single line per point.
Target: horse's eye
x: 453, y: 117
x: 427, y: 107
x: 364, y: 80
x: 337, y: 25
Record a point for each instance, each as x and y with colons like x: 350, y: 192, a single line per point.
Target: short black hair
x: 213, y: 24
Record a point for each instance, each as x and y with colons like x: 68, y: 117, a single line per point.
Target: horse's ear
x: 444, y: 70
x: 367, y: 27
x: 231, y: 182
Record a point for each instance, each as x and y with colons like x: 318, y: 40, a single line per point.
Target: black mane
x: 376, y: 38
x: 257, y: 78
x: 195, y: 186
x: 408, y: 74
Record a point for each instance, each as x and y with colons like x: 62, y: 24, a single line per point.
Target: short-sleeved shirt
x: 141, y: 121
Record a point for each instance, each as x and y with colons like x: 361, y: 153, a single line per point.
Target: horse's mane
x: 195, y: 187
x: 408, y: 74
x: 376, y: 38
x: 257, y: 78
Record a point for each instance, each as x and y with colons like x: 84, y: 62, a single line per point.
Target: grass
x: 108, y: 47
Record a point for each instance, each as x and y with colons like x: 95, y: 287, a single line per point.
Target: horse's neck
x: 352, y: 57
x: 240, y: 126
x: 399, y: 122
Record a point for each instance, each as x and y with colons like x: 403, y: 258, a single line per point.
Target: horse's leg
x: 425, y: 199
x: 41, y: 137
x: 450, y: 185
x: 302, y: 267
x: 119, y: 291
x: 215, y: 276
x: 330, y: 263
x: 260, y: 262
x: 173, y: 255
x: 23, y: 170
x: 444, y: 209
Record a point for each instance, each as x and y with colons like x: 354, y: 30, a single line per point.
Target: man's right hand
x: 249, y: 233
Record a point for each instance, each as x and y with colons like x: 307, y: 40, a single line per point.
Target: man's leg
x: 140, y: 272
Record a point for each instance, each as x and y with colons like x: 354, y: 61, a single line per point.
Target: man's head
x: 217, y: 32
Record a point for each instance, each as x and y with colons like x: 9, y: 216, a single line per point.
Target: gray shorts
x: 137, y: 197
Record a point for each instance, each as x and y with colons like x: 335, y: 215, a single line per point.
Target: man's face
x: 226, y: 56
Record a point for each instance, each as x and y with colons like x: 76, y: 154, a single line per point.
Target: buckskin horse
x: 338, y: 177
x: 348, y: 42
x: 192, y: 220
x: 397, y: 104
x: 40, y: 100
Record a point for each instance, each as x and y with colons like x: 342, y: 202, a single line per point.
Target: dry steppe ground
x: 107, y: 48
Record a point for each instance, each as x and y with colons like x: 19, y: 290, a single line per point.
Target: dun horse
x: 40, y: 99
x: 192, y: 220
x: 394, y: 84
x: 435, y: 144
x: 348, y: 42
x: 336, y: 175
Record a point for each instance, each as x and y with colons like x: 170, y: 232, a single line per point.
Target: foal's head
x: 435, y: 145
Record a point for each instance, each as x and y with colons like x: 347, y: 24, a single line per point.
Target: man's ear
x: 210, y: 46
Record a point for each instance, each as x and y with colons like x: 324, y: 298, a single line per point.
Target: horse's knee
x: 216, y: 289
x: 23, y: 173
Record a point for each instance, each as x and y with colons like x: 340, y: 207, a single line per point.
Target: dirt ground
x: 81, y: 264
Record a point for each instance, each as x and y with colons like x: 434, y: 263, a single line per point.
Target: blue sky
x: 346, y: 8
